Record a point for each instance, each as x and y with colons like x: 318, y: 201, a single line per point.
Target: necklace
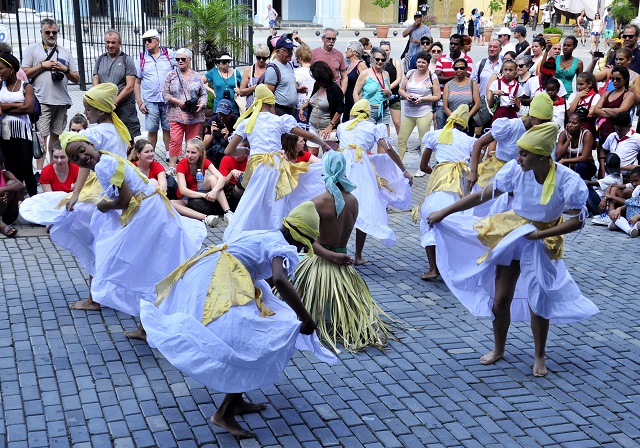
x: 15, y: 84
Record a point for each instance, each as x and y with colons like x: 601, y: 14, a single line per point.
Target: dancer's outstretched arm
x: 467, y: 202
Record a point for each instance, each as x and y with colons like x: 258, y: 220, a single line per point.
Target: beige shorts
x: 53, y: 119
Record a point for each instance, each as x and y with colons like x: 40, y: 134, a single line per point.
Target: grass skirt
x: 341, y: 305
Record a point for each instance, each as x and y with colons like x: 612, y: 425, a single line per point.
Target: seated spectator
x: 78, y: 123
x: 575, y: 147
x: 559, y: 104
x: 295, y: 149
x: 61, y: 175
x: 10, y: 192
x: 142, y: 156
x: 233, y: 168
x: 595, y: 204
x: 624, y: 142
x: 615, y: 196
x: 218, y: 130
x: 584, y: 100
x: 200, y: 204
x: 627, y: 216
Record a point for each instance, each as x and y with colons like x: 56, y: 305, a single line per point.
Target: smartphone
x: 598, y: 54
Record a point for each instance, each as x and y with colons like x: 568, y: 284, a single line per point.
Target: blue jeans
x: 156, y: 116
x: 461, y: 29
x: 441, y: 117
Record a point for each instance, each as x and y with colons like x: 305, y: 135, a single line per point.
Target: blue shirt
x: 416, y: 34
x: 153, y: 73
x: 608, y: 22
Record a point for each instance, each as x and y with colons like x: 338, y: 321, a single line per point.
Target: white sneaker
x: 228, y: 216
x: 212, y: 220
x: 633, y: 233
x: 419, y: 173
x: 613, y: 226
x: 602, y: 220
x: 171, y: 171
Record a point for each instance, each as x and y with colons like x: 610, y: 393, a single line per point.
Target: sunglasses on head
x: 52, y: 33
x: 261, y: 58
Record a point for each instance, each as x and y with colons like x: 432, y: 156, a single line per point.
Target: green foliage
x: 384, y: 4
x: 496, y: 5
x: 209, y: 27
x: 553, y: 30
x: 623, y: 11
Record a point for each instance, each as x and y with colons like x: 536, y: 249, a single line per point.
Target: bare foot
x: 87, y: 305
x: 360, y: 261
x: 244, y: 407
x: 232, y: 426
x: 491, y: 357
x: 539, y: 368
x: 138, y: 334
x: 431, y: 275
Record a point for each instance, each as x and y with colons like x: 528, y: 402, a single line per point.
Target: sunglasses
x: 459, y: 68
x: 425, y: 43
x: 223, y: 62
x: 330, y: 39
x: 52, y: 33
x: 379, y: 59
x: 436, y: 51
x: 147, y: 40
x: 261, y: 58
x: 521, y: 65
x: 615, y: 78
x: 181, y: 59
x: 628, y: 36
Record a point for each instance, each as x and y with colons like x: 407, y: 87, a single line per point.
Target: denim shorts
x: 377, y: 119
x: 272, y: 23
x: 156, y: 115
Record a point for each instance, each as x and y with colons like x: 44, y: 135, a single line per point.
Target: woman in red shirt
x: 61, y: 175
x: 213, y: 188
x: 142, y: 157
x: 295, y: 149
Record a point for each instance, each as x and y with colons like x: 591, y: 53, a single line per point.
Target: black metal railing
x: 82, y: 25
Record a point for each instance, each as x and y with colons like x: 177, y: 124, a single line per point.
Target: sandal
x: 9, y: 231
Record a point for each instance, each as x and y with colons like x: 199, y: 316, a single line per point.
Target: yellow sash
x: 90, y: 193
x: 492, y: 229
x: 230, y: 285
x: 488, y: 169
x: 447, y: 176
x: 136, y: 201
x: 288, y: 172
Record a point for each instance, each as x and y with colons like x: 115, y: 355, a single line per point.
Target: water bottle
x: 200, y: 180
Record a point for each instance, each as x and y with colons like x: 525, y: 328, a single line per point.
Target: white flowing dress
x: 458, y: 151
x: 544, y: 284
x: 362, y: 170
x: 240, y: 350
x: 258, y: 209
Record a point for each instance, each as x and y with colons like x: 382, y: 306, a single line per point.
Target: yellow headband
x: 70, y: 137
x: 303, y: 224
x: 541, y: 140
x: 361, y: 110
x: 461, y: 117
x: 7, y: 62
x: 262, y: 96
x: 103, y: 97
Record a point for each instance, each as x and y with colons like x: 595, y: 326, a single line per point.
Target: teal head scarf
x: 333, y: 168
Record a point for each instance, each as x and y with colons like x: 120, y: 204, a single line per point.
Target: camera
x: 226, y: 95
x: 57, y: 75
x: 598, y: 54
x: 190, y: 106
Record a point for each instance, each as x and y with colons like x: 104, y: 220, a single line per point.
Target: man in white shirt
x: 482, y: 73
x: 624, y: 142
x: 461, y: 19
x: 504, y: 36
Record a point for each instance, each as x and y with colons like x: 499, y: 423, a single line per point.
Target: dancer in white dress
x: 131, y: 220
x: 357, y: 138
x: 447, y: 181
x: 217, y: 320
x: 268, y: 177
x: 505, y: 132
x: 522, y: 275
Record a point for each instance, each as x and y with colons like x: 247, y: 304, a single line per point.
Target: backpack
x: 164, y: 52
x: 37, y: 110
x: 278, y: 74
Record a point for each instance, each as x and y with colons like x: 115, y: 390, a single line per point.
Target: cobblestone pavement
x: 71, y: 378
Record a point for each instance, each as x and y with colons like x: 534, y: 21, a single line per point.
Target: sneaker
x: 633, y: 233
x: 212, y: 220
x: 419, y: 173
x: 612, y: 226
x: 37, y: 175
x: 171, y: 171
x: 228, y: 216
x: 602, y: 220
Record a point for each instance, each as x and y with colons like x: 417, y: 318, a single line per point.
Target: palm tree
x: 213, y: 26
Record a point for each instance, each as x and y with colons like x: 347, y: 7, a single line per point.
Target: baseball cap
x: 417, y: 14
x: 152, y: 34
x: 504, y: 31
x: 224, y: 107
x: 521, y: 29
x: 284, y: 42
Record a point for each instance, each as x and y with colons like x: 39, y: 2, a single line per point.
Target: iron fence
x: 83, y: 23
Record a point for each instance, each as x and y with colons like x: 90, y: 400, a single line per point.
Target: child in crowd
x: 615, y: 196
x: 627, y: 216
x: 559, y: 104
x: 584, y: 99
x: 78, y: 123
x: 597, y: 188
x: 507, y: 91
x: 187, y: 203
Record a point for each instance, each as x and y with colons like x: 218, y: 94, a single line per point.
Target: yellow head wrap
x: 541, y: 107
x: 304, y: 224
x: 262, y: 95
x: 361, y: 110
x: 69, y: 137
x: 459, y: 116
x: 541, y: 140
x: 103, y: 97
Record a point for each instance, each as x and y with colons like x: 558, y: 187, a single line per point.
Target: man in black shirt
x: 520, y: 33
x: 218, y: 130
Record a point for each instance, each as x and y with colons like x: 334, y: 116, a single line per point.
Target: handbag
x: 241, y: 101
x: 38, y: 143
